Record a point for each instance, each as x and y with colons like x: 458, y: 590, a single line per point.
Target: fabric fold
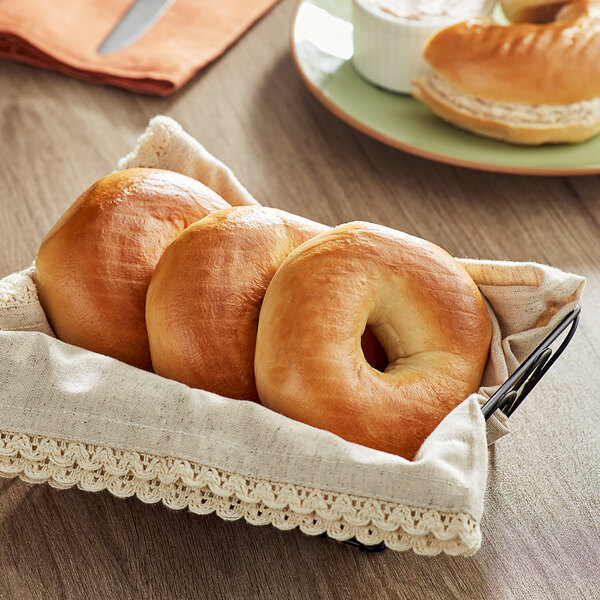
x: 64, y: 36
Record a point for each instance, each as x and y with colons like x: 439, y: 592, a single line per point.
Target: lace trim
x: 152, y: 144
x: 18, y: 288
x: 181, y: 483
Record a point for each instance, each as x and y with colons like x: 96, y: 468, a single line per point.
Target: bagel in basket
x: 95, y: 264
x: 421, y: 304
x: 526, y: 83
x: 205, y: 295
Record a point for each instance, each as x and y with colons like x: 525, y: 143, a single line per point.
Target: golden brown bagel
x: 204, y: 299
x: 526, y: 83
x: 422, y: 305
x: 95, y: 265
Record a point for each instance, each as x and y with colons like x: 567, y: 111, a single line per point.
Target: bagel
x: 205, y: 295
x: 421, y: 304
x: 526, y: 83
x: 95, y: 264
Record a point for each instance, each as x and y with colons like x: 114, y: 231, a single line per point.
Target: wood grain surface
x: 541, y: 529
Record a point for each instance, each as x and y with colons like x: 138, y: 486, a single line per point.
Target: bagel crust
x: 528, y: 63
x: 204, y: 299
x: 423, y: 307
x: 95, y: 264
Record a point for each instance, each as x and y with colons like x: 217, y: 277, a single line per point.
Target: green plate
x: 322, y: 50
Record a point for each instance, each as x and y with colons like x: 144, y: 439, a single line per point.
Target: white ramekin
x: 388, y: 50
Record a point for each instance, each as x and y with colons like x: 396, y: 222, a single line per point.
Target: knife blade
x: 137, y: 20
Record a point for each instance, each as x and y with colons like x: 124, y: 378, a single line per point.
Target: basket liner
x: 73, y: 417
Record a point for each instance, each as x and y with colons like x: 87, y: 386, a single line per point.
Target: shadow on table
x: 98, y: 546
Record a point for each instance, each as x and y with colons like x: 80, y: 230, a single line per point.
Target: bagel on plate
x: 528, y: 82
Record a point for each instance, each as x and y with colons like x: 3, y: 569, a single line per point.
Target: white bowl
x: 388, y: 50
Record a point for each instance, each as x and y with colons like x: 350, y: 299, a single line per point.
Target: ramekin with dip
x: 389, y: 35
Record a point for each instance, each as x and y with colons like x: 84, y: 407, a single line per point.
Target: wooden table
x: 541, y: 530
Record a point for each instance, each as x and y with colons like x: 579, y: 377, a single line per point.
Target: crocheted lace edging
x: 18, y: 289
x: 182, y: 483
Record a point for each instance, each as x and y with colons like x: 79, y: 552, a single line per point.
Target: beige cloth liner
x: 72, y: 417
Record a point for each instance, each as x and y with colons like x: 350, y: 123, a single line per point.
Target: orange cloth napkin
x: 64, y: 35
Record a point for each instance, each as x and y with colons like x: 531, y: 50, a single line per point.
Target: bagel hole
x: 540, y: 15
x: 372, y: 349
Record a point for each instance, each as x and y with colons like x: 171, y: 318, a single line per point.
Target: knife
x: 137, y: 20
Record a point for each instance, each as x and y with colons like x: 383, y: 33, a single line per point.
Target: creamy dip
x: 431, y: 10
x: 538, y: 115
